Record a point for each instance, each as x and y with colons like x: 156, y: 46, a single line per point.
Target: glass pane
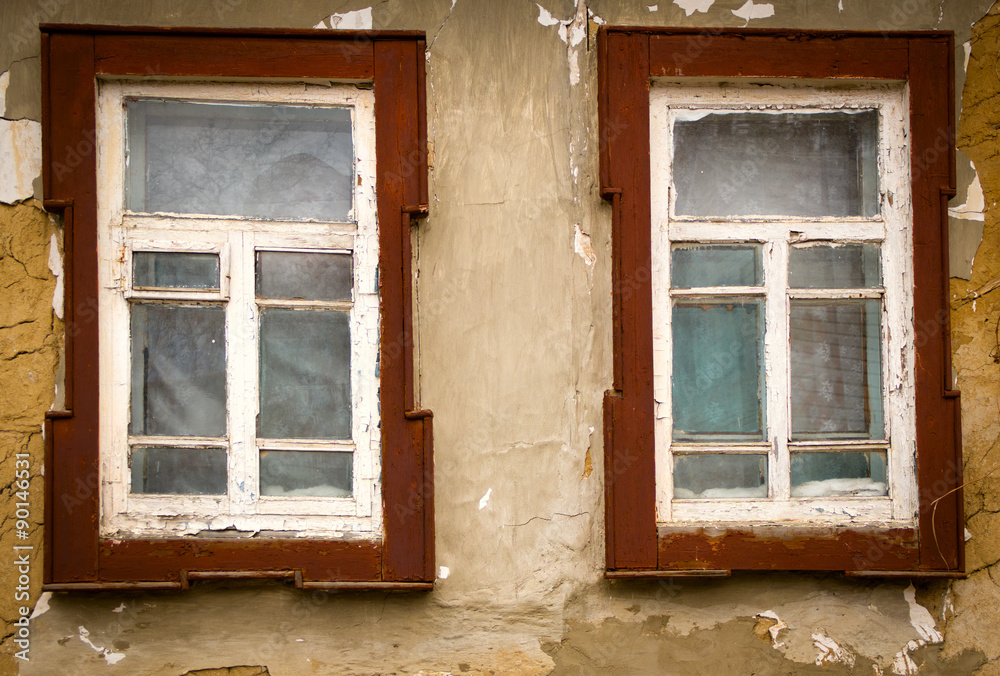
x: 834, y: 266
x: 268, y: 161
x: 718, y: 384
x: 163, y: 270
x: 791, y: 164
x: 319, y: 474
x: 178, y: 370
x: 305, y: 380
x: 309, y: 276
x: 700, y: 265
x: 836, y: 369
x: 179, y: 471
x: 720, y: 475
x: 825, y: 474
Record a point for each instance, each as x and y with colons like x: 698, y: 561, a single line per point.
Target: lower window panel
x: 720, y: 475
x: 326, y: 474
x: 178, y: 471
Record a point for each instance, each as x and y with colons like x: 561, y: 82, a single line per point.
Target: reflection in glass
x: 306, y: 276
x: 305, y: 381
x: 825, y: 474
x: 178, y: 471
x: 266, y: 161
x: 836, y: 369
x: 175, y: 270
x: 325, y: 474
x: 834, y: 266
x: 720, y: 475
x: 718, y: 383
x: 783, y: 164
x: 703, y: 265
x: 178, y: 370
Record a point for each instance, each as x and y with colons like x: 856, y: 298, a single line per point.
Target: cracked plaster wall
x: 514, y: 288
x: 30, y: 341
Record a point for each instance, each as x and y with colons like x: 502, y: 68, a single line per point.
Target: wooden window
x: 239, y: 357
x: 782, y: 383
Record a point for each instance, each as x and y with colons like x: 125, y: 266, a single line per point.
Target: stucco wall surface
x: 513, y: 315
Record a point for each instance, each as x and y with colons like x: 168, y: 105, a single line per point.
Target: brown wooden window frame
x: 392, y: 62
x: 636, y: 546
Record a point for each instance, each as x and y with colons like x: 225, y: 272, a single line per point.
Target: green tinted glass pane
x: 720, y: 475
x: 170, y: 270
x: 704, y: 265
x: 178, y: 370
x: 834, y: 266
x: 718, y: 385
x: 178, y: 471
x: 826, y: 474
x: 836, y: 369
x: 324, y: 474
x: 305, y: 381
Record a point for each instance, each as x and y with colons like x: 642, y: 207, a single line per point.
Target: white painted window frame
x: 120, y: 233
x: 892, y: 228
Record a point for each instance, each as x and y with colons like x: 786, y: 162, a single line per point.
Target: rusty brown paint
x: 628, y: 57
x: 73, y: 56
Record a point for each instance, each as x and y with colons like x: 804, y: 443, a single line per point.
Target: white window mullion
x: 241, y: 330
x: 662, y: 370
x: 776, y: 369
x: 661, y: 124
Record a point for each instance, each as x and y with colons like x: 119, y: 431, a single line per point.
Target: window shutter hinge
x: 416, y: 211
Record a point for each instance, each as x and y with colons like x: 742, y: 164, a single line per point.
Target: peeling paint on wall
x: 583, y: 247
x: 972, y: 208
x: 110, y: 656
x: 20, y: 158
x: 775, y: 627
x: 966, y: 220
x: 4, y: 83
x: 42, y: 605
x: 20, y: 152
x: 750, y: 11
x: 572, y: 32
x: 56, y: 268
x: 831, y: 652
x: 692, y: 6
x: 485, y: 500
x: 359, y: 19
x: 545, y: 17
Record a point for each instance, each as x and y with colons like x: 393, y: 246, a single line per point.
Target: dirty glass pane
x: 718, y: 383
x: 180, y: 270
x: 267, y: 161
x: 825, y: 474
x: 720, y: 475
x: 701, y: 265
x: 305, y: 380
x: 178, y: 370
x: 785, y: 164
x: 179, y: 471
x: 836, y: 369
x: 308, y: 276
x: 834, y: 266
x: 314, y: 473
